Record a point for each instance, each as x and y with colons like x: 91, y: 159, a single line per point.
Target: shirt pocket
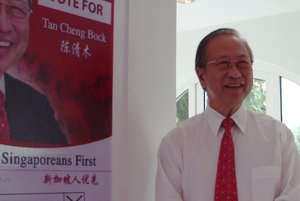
x: 265, y: 183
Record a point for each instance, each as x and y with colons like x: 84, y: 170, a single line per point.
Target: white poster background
x: 29, y: 183
x: 92, y: 9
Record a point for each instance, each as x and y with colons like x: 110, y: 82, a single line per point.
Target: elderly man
x: 26, y: 117
x: 227, y: 153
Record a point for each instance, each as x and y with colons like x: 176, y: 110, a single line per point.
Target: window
x: 290, y: 107
x: 257, y: 99
x: 272, y: 94
x: 182, y: 105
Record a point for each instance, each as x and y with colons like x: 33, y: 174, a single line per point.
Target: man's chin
x: 5, y: 66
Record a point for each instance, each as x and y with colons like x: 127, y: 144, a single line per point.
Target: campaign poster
x: 56, y: 125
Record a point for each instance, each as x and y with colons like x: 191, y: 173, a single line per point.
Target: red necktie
x: 4, y: 126
x: 226, y: 188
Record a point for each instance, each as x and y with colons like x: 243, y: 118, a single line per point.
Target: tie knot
x: 227, y: 123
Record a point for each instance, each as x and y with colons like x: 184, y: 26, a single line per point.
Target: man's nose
x: 234, y: 71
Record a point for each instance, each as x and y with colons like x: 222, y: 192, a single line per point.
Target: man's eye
x: 17, y: 12
x: 243, y: 63
x: 223, y: 63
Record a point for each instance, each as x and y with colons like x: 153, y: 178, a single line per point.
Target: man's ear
x: 200, y: 73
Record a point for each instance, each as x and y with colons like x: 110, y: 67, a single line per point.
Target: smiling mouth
x: 234, y: 85
x: 5, y: 44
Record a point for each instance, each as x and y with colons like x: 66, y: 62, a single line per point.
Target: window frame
x: 269, y: 72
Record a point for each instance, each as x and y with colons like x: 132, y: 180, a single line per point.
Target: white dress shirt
x: 267, y: 160
x: 2, y: 84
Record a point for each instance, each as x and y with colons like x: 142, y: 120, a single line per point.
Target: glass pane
x: 290, y: 107
x: 257, y: 99
x: 182, y: 104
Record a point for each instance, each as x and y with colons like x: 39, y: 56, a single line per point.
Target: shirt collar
x: 215, y: 119
x: 2, y: 84
x: 240, y: 119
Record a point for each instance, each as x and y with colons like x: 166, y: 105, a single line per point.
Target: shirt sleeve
x: 290, y: 175
x: 168, y: 185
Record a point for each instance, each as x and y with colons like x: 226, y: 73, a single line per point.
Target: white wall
x: 273, y: 39
x: 144, y: 80
x: 144, y: 93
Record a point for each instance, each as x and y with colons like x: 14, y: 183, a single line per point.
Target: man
x: 30, y: 117
x: 227, y: 153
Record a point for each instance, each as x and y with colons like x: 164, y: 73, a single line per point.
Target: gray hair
x: 201, y: 56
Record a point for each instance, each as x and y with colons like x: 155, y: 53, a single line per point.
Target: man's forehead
x: 16, y: 1
x: 225, y: 42
x: 225, y: 37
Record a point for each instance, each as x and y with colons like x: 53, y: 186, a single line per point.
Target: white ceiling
x: 206, y: 13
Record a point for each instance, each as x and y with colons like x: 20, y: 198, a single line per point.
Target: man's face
x: 226, y: 86
x: 14, y: 32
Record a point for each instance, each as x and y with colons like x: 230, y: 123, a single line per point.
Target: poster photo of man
x: 56, y: 73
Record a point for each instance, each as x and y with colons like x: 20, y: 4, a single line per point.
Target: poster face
x: 57, y: 82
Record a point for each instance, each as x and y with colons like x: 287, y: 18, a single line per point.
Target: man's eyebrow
x: 20, y: 1
x: 243, y: 56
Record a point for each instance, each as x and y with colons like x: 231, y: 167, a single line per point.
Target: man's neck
x: 225, y: 110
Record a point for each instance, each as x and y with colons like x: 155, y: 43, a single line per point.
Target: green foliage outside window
x: 256, y: 100
x: 182, y: 105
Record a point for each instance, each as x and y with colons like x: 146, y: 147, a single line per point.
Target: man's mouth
x: 5, y: 43
x: 239, y: 85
